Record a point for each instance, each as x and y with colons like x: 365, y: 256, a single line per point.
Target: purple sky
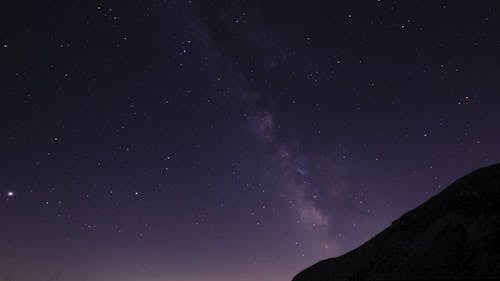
x: 186, y: 141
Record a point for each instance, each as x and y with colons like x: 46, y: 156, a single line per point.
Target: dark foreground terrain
x: 453, y: 235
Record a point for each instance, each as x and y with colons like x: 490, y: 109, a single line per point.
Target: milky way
x: 243, y: 140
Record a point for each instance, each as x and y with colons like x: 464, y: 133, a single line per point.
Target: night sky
x: 231, y: 141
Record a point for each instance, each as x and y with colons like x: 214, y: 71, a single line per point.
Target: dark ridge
x: 455, y: 235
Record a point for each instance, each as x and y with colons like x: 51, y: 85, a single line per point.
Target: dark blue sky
x: 231, y: 141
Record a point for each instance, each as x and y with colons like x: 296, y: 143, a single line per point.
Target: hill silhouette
x: 453, y: 235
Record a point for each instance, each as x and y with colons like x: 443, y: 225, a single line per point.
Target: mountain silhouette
x: 453, y: 235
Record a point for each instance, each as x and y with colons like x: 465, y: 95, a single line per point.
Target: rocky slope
x: 453, y: 235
